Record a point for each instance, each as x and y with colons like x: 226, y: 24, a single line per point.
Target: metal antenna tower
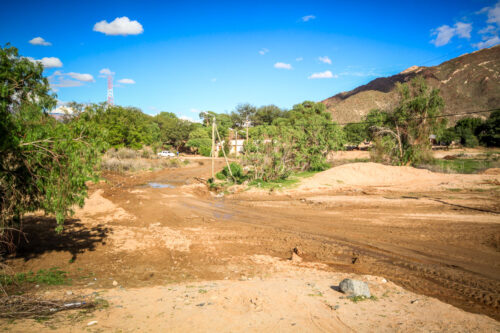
x: 111, y: 99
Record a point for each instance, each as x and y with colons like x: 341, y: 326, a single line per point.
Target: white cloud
x: 463, y: 30
x: 106, y: 71
x: 263, y: 51
x: 494, y: 14
x: 65, y: 83
x: 325, y: 59
x: 126, y: 81
x: 80, y: 77
x: 445, y: 33
x: 488, y: 42
x: 282, y: 65
x: 323, y: 75
x: 60, y: 79
x: 39, y: 41
x: 214, y: 79
x: 193, y: 110
x: 299, y: 59
x: 308, y: 18
x: 190, y: 119
x: 47, y: 62
x: 120, y: 26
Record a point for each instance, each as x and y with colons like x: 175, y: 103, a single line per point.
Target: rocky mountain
x: 470, y: 82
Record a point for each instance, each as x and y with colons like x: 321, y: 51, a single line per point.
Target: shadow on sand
x: 40, y: 237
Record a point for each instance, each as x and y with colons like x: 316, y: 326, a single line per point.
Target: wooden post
x: 213, y: 147
x: 236, y: 143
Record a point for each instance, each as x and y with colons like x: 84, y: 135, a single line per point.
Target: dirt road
x: 162, y: 227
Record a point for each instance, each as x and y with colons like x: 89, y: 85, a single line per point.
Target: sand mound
x: 370, y: 174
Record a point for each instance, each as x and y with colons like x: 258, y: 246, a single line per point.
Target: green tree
x: 200, y: 141
x: 413, y: 121
x: 299, y: 142
x: 467, y: 130
x: 44, y: 164
x: 489, y: 132
x: 173, y: 131
x: 355, y: 133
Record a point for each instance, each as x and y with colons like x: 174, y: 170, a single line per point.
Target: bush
x: 236, y: 170
x: 489, y: 132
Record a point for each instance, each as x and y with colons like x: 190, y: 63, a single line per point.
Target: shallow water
x: 160, y: 185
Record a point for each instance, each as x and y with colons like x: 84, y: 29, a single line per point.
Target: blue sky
x: 187, y: 56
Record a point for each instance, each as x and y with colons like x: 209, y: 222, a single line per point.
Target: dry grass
x: 129, y: 160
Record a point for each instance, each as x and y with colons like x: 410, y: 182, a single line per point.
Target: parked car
x: 166, y: 153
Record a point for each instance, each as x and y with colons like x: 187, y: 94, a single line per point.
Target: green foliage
x: 355, y: 133
x: 53, y: 276
x: 44, y: 164
x: 173, y: 131
x: 412, y: 122
x: 466, y: 130
x: 489, y: 132
x: 298, y: 142
x: 448, y: 136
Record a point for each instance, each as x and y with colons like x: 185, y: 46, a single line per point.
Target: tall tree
x: 44, y: 164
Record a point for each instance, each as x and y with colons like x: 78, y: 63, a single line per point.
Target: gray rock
x: 354, y: 288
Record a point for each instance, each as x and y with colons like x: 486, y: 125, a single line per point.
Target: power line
x: 433, y: 117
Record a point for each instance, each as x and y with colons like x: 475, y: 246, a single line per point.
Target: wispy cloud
x: 488, y: 42
x: 263, y: 51
x: 323, y: 75
x: 119, y: 26
x: 299, y: 59
x: 494, y: 14
x: 126, y: 81
x: 490, y: 32
x: 71, y: 79
x: 81, y: 77
x: 39, y: 41
x: 214, y: 79
x: 308, y: 18
x: 445, y: 33
x: 282, y: 65
x: 325, y: 60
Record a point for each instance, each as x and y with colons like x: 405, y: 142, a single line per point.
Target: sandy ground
x: 185, y: 259
x: 285, y: 296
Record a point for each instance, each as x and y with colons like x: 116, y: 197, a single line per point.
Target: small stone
x: 383, y: 280
x: 354, y: 288
x: 93, y: 322
x: 201, y: 304
x: 69, y: 293
x: 414, y: 301
x: 115, y: 283
x: 336, y: 307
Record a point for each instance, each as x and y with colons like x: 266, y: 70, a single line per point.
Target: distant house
x: 235, y: 146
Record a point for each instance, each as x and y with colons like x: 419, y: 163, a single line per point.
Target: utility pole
x: 246, y: 124
x: 213, y: 147
x: 236, y: 143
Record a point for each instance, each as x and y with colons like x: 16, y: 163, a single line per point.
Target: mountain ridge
x: 470, y: 82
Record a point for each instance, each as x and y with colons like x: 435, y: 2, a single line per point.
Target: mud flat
x: 433, y: 237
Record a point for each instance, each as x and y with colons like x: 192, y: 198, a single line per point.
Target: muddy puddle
x: 158, y: 185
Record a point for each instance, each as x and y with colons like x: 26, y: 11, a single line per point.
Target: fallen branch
x: 17, y: 307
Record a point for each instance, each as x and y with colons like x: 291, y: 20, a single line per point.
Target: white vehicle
x: 166, y: 153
